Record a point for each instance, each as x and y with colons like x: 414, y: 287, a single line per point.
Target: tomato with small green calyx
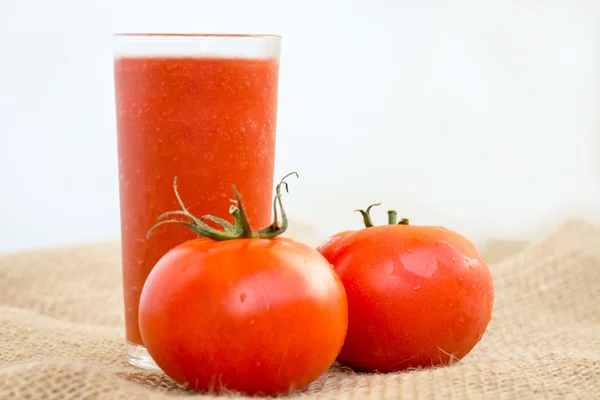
x: 243, y: 311
x: 418, y: 296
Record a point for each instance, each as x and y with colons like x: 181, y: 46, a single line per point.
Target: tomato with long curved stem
x: 241, y: 310
x: 418, y: 296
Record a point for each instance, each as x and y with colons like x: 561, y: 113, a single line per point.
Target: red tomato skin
x: 255, y: 316
x: 331, y: 244
x: 417, y: 297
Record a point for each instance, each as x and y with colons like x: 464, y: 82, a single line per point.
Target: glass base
x: 138, y: 356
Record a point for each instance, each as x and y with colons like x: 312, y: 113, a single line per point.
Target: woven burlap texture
x: 61, y: 330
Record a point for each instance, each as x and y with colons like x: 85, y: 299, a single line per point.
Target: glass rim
x: 154, y: 36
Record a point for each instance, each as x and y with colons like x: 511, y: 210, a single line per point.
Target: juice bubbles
x: 207, y: 120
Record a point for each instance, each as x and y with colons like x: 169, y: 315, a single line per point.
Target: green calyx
x: 240, y: 229
x: 392, y: 217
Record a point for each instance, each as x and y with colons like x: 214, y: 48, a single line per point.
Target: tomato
x: 252, y: 313
x: 255, y: 315
x: 418, y: 296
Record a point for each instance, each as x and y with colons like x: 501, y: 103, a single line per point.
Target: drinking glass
x: 201, y: 108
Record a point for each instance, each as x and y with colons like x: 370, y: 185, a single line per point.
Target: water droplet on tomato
x: 242, y: 297
x: 460, y: 329
x: 408, y: 250
x: 417, y: 288
x: 453, y: 260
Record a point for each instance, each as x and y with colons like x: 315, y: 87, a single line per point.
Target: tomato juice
x: 210, y: 122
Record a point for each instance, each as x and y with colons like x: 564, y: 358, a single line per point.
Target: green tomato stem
x: 392, y: 217
x: 240, y: 229
x: 366, y: 214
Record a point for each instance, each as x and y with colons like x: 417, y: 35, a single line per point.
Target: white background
x: 482, y: 116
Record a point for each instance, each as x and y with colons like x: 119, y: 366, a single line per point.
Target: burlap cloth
x: 61, y: 323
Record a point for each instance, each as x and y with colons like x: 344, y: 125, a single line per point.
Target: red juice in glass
x: 201, y: 108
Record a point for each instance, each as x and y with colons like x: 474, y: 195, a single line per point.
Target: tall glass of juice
x: 199, y: 108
